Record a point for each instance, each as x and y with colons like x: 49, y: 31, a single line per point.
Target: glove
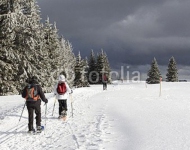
x: 71, y: 92
x: 46, y: 101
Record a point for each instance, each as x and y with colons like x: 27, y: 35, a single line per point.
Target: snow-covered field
x: 128, y: 116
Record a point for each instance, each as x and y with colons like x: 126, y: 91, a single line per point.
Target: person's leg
x: 60, y: 107
x: 38, y: 113
x: 103, y: 86
x: 64, y: 105
x: 30, y: 117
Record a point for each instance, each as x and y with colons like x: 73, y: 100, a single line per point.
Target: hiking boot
x: 60, y: 117
x: 39, y: 129
x: 64, y: 113
x: 31, y: 131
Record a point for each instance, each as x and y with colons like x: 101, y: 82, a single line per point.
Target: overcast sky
x: 132, y: 32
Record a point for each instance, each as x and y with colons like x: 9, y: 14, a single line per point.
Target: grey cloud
x: 130, y: 31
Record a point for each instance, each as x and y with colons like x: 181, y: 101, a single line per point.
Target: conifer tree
x: 172, y: 74
x: 28, y: 39
x: 51, y: 53
x: 85, y: 74
x: 80, y: 74
x: 28, y: 48
x: 9, y: 50
x: 107, y: 67
x: 68, y: 60
x: 92, y: 75
x: 154, y: 73
x: 103, y: 66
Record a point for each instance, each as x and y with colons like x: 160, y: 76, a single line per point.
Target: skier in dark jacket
x: 33, y: 102
x: 104, y: 81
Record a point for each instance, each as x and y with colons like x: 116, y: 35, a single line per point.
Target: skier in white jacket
x: 61, y: 91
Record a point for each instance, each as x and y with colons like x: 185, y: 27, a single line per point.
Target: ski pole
x: 21, y: 114
x: 71, y: 98
x: 45, y: 113
x: 54, y: 106
x: 160, y: 85
x: 45, y: 117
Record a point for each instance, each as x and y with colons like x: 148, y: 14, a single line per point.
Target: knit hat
x: 34, y: 78
x: 62, y: 78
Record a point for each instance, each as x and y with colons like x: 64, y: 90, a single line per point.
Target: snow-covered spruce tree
x: 10, y: 13
x: 107, y: 67
x: 51, y: 54
x: 92, y: 71
x: 80, y: 74
x: 172, y: 74
x: 24, y: 50
x: 103, y: 66
x: 7, y: 52
x: 28, y: 38
x: 68, y: 61
x: 85, y: 73
x: 20, y: 30
x: 154, y: 73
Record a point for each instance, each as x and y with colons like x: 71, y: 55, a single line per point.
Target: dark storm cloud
x: 130, y: 31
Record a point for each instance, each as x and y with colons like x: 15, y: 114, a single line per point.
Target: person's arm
x: 41, y: 93
x: 55, y: 89
x: 68, y: 88
x: 24, y: 93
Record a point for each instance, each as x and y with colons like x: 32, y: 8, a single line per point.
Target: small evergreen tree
x: 85, y: 73
x: 80, y: 74
x: 172, y: 74
x: 154, y: 73
x: 107, y: 67
x: 103, y: 66
x: 68, y: 60
x: 92, y: 76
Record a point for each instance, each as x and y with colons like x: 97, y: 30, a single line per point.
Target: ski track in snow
x: 78, y: 133
x: 127, y: 116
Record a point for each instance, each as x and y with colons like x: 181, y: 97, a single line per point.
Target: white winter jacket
x: 64, y: 96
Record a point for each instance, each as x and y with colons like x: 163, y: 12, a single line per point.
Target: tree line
x: 29, y: 47
x: 91, y: 71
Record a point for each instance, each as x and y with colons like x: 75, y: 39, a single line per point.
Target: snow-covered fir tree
x: 85, y: 74
x: 154, y: 73
x: 28, y: 48
x: 29, y: 36
x: 51, y: 53
x: 100, y: 66
x: 68, y: 61
x: 103, y: 66
x: 12, y: 39
x: 80, y: 73
x: 92, y: 75
x: 172, y: 74
x: 107, y: 67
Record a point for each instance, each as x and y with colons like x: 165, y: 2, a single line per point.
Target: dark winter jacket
x: 104, y: 79
x: 39, y: 91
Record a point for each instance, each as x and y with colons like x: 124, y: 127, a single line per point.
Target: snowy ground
x: 128, y: 116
